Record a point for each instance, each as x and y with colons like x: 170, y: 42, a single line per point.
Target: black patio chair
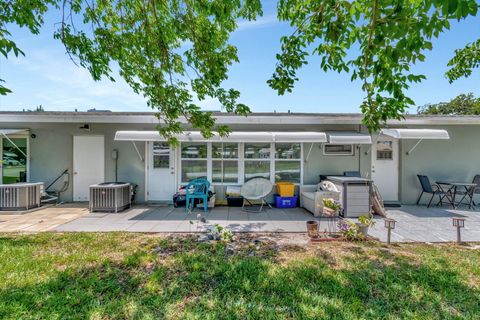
x: 434, y: 190
x: 470, y: 193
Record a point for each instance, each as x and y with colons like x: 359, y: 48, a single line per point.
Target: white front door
x: 385, y: 168
x: 88, y: 164
x: 161, y: 172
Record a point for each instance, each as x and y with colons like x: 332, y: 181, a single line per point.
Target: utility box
x: 354, y: 195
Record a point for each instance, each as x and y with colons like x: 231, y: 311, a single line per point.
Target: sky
x: 46, y: 76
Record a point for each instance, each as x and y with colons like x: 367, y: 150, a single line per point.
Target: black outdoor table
x: 454, y: 188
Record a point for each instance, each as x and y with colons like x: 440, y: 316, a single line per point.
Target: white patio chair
x: 254, y: 190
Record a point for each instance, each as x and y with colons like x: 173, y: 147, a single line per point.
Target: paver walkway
x: 434, y: 224
x: 45, y: 219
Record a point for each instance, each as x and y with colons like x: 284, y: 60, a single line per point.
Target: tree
x: 173, y: 51
x: 170, y: 51
x: 463, y: 104
x: 374, y: 41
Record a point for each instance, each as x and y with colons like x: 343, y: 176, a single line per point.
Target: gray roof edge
x: 223, y: 117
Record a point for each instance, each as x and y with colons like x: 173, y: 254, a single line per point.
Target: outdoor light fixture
x: 458, y: 223
x: 389, y: 224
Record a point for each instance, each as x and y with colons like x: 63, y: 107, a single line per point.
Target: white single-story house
x: 296, y: 147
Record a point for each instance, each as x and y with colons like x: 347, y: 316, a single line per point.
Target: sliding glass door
x: 14, y: 159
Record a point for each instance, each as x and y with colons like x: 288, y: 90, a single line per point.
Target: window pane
x: 338, y: 149
x: 161, y: 155
x: 194, y: 150
x: 230, y: 151
x: 193, y: 169
x: 14, y: 161
x: 257, y: 150
x: 384, y: 150
x: 230, y: 171
x: 255, y: 169
x: 287, y: 150
x: 287, y: 171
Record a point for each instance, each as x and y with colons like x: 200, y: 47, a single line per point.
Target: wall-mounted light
x: 85, y: 127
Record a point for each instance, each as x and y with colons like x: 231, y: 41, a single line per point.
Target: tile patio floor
x: 414, y: 223
x: 169, y: 219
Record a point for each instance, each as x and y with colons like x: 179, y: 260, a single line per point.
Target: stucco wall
x: 454, y: 159
x: 51, y: 152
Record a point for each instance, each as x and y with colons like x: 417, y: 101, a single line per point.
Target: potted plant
x: 350, y: 230
x: 364, y: 223
x: 331, y: 207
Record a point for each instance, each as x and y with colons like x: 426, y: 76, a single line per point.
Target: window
x: 193, y: 160
x: 14, y: 158
x: 225, y: 162
x: 161, y: 155
x: 338, y: 149
x: 288, y: 162
x: 257, y: 160
x: 384, y: 150
x: 257, y: 150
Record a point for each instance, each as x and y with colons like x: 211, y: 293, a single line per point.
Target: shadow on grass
x: 201, y: 281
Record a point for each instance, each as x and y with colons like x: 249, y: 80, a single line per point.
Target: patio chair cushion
x: 328, y: 186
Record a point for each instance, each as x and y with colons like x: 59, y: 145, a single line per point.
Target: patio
x: 414, y: 223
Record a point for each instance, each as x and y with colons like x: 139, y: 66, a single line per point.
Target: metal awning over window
x: 237, y: 136
x: 7, y: 132
x: 349, y: 138
x: 416, y: 133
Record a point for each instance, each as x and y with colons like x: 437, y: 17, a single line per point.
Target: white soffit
x: 237, y: 136
x: 424, y: 134
x: 349, y: 138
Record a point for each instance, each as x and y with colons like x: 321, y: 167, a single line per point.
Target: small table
x: 453, y: 189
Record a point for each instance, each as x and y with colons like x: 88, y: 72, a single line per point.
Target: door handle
x: 75, y: 172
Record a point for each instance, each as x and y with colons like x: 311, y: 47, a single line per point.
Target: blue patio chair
x: 427, y: 187
x: 197, y: 189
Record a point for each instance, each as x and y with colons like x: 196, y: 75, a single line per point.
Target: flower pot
x: 329, y: 212
x: 363, y: 228
x: 312, y: 228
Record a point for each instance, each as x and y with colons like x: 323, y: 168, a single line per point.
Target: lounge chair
x: 427, y: 187
x: 311, y: 198
x: 256, y: 189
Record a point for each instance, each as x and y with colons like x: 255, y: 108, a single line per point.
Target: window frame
x: 209, y: 156
x: 325, y: 153
x: 210, y: 164
x: 241, y: 162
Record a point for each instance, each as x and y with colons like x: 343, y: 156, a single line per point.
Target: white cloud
x: 259, y: 23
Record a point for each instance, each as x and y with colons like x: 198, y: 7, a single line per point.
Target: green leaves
x: 376, y: 42
x: 463, y: 104
x: 173, y: 52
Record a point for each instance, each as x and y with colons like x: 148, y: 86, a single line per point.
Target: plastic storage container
x: 234, y: 201
x: 285, y: 189
x: 285, y: 202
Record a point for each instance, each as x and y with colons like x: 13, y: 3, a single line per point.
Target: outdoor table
x: 453, y: 189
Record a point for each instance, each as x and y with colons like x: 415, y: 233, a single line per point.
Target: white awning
x: 349, y: 138
x: 422, y: 134
x: 4, y: 132
x: 237, y: 136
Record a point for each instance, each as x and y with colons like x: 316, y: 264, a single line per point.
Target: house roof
x: 228, y: 118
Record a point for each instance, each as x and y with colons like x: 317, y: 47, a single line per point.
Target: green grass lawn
x: 134, y: 276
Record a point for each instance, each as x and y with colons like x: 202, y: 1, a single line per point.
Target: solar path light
x: 390, y: 225
x: 459, y: 223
